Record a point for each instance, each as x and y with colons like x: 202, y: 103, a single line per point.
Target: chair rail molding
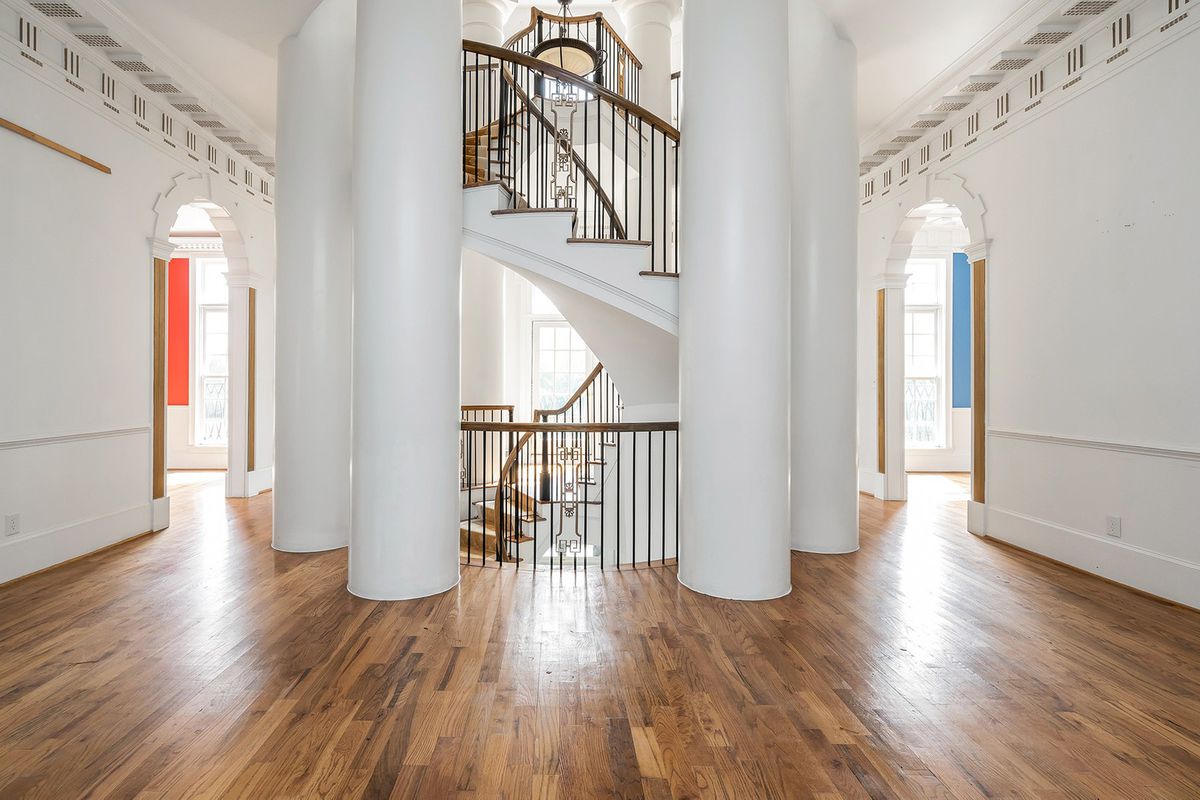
x: 1154, y: 451
x: 80, y: 436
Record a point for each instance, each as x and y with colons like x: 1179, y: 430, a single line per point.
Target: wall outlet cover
x: 12, y: 524
x: 1113, y: 528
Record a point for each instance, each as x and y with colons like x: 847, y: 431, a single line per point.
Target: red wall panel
x: 179, y: 326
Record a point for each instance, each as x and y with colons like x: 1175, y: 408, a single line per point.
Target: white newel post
x: 648, y: 34
x: 734, y: 302
x: 315, y: 233
x: 894, y: 482
x: 408, y: 238
x: 824, y: 284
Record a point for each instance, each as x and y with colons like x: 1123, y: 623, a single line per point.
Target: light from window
x: 212, y: 353
x: 561, y: 362
x: 925, y: 412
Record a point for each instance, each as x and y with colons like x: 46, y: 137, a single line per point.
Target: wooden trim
x: 565, y: 76
x: 651, y: 273
x: 979, y: 380
x: 251, y: 347
x: 159, y: 392
x: 486, y: 408
x: 881, y: 379
x: 569, y: 427
x: 53, y: 145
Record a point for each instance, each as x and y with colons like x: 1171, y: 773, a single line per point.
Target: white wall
x: 1093, y: 375
x: 75, y: 317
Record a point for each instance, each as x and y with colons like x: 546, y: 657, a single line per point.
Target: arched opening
x: 205, y: 343
x: 931, y: 350
x: 197, y: 420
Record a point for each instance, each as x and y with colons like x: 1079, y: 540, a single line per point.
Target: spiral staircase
x: 572, y: 185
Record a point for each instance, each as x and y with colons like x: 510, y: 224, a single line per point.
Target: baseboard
x: 160, y: 514
x: 38, y: 551
x: 870, y: 482
x: 977, y: 518
x: 260, y: 481
x: 1160, y: 575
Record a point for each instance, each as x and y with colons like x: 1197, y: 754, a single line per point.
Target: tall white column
x: 314, y: 232
x: 734, y: 302
x: 823, y: 80
x: 483, y: 20
x: 648, y: 34
x: 408, y: 239
x: 482, y: 306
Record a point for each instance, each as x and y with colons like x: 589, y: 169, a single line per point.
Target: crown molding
x: 978, y: 251
x: 161, y: 248
x: 137, y: 38
x: 949, y: 79
x: 890, y: 280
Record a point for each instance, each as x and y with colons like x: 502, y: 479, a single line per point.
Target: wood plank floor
x: 200, y: 663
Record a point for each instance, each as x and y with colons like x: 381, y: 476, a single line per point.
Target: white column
x: 824, y: 283
x: 314, y: 232
x: 408, y: 237
x: 734, y: 302
x: 482, y: 305
x: 894, y: 484
x: 648, y: 34
x: 483, y: 20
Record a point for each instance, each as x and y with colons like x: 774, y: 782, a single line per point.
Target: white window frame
x: 945, y: 355
x: 196, y: 377
x: 537, y: 323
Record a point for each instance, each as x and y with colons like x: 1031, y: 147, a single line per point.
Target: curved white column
x: 314, y: 231
x: 734, y: 302
x: 824, y: 284
x: 408, y: 240
x: 483, y: 20
x: 648, y: 34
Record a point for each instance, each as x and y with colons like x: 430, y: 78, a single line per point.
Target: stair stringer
x: 629, y: 321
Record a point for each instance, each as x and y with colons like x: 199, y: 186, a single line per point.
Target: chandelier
x: 569, y: 52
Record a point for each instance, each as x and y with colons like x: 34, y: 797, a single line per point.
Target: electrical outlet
x: 12, y: 524
x: 1114, y: 527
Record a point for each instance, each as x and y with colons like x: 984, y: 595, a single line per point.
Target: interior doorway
x: 937, y: 343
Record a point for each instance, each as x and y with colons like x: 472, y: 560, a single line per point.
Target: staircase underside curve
x: 629, y: 321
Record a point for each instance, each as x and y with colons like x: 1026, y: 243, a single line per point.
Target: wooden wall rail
x: 568, y: 427
x: 55, y: 146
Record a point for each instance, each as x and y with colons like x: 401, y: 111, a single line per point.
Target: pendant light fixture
x: 569, y: 52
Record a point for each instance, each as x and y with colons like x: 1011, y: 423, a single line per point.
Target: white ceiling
x: 903, y: 45
x: 232, y: 43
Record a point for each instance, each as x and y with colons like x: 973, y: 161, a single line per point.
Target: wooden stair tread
x: 658, y: 274
x: 500, y: 212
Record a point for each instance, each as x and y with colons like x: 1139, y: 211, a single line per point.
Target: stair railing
x: 556, y: 140
x: 484, y: 469
x: 613, y: 501
x: 621, y: 70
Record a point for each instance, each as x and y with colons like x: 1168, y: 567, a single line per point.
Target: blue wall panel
x: 960, y: 353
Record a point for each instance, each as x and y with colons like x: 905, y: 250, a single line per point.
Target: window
x: 212, y: 352
x: 561, y: 360
x: 925, y: 401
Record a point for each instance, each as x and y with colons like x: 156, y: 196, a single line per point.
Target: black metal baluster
x: 470, y: 472
x: 618, y: 438
x: 663, y: 498
x: 633, y: 499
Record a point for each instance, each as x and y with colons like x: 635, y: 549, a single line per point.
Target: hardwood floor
x: 200, y: 663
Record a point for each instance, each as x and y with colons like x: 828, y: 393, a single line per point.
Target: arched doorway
x: 232, y: 383
x: 940, y: 237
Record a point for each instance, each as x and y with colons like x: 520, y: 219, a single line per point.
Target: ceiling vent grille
x: 95, y: 36
x: 229, y: 138
x: 1089, y: 8
x: 162, y: 88
x: 1012, y: 60
x: 129, y: 61
x: 952, y: 103
x: 907, y: 137
x: 1049, y: 34
x: 59, y: 10
x: 980, y: 83
x: 210, y: 123
x: 188, y: 105
x: 927, y: 121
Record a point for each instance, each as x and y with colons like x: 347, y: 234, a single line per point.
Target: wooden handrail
x: 565, y: 76
x: 569, y: 427
x: 579, y: 163
x: 53, y: 145
x: 487, y: 407
x: 536, y: 13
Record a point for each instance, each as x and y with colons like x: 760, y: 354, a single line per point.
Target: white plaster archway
x: 890, y: 284
x: 222, y: 207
